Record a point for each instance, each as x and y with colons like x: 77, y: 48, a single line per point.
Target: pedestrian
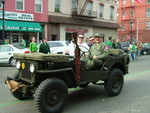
x: 44, y: 47
x: 118, y: 44
x: 139, y: 48
x: 133, y: 51
x: 99, y: 53
x: 114, y: 44
x: 6, y: 42
x: 109, y: 42
x: 23, y: 43
x: 33, y: 46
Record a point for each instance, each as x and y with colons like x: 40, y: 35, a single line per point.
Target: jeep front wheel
x: 114, y: 84
x: 51, y: 96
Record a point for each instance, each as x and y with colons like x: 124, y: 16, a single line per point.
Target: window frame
x: 148, y: 2
x: 41, y: 7
x: 148, y: 13
x: 112, y: 12
x: 101, y: 6
x: 59, y: 8
x: 23, y: 2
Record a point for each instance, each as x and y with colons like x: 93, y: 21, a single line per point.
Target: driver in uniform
x: 98, y: 53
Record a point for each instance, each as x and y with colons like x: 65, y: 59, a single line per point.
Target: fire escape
x: 84, y: 9
x: 128, y: 20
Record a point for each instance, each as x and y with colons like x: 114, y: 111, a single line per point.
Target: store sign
x: 76, y: 30
x: 17, y: 16
x: 18, y: 28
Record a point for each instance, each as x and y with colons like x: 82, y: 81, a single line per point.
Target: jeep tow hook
x: 13, y: 85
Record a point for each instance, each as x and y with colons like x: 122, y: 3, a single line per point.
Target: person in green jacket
x: 109, y: 42
x: 44, y: 47
x: 99, y: 53
x: 33, y: 46
x: 23, y: 43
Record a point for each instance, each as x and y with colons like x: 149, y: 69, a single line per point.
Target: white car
x: 58, y: 47
x: 7, y: 51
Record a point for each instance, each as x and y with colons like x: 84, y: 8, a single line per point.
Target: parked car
x: 58, y: 46
x: 7, y: 51
x: 145, y: 50
x: 125, y: 46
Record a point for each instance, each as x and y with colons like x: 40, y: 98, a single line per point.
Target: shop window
x: 57, y: 5
x: 20, y: 4
x: 38, y: 5
x: 101, y: 10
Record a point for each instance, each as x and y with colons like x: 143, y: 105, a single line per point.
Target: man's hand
x: 95, y: 57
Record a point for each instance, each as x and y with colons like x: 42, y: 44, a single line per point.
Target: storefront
x: 16, y: 30
x: 62, y: 28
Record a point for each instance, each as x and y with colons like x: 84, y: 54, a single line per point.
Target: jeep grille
x: 26, y: 74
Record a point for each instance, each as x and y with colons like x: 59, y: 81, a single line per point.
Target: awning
x: 21, y: 26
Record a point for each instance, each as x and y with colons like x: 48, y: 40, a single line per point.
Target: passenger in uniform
x: 99, y: 52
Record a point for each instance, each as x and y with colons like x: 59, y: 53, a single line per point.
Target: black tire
x: 12, y: 62
x: 17, y: 94
x: 84, y: 85
x: 114, y: 84
x: 51, y: 96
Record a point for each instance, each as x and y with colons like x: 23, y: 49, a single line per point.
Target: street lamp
x: 3, y: 2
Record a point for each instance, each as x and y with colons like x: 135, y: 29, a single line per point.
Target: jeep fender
x: 65, y: 74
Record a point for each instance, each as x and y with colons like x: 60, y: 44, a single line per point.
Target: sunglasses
x: 97, y: 37
x: 81, y: 37
x: 91, y: 40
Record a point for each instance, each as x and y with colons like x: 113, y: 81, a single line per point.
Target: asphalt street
x: 134, y: 98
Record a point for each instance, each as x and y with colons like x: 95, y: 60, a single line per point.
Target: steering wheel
x: 84, y: 53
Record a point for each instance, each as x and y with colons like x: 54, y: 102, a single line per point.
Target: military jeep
x: 47, y: 77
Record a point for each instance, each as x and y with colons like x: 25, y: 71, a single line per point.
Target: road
x: 134, y: 97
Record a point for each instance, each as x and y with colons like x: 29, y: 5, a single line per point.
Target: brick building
x: 24, y: 19
x: 134, y: 20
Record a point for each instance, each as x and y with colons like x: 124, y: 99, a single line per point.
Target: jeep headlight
x: 18, y: 65
x: 32, y: 68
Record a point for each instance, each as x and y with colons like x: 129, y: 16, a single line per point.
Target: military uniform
x: 101, y: 51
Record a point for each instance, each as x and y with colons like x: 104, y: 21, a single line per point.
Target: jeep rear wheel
x: 51, y: 96
x: 114, y: 84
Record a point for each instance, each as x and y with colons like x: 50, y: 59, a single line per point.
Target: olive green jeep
x: 47, y: 77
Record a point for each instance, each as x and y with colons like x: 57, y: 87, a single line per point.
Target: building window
x: 148, y: 25
x: 74, y: 5
x: 132, y: 2
x: 147, y: 12
x: 123, y: 27
x: 57, y: 5
x: 131, y: 14
x: 90, y: 8
x: 38, y: 5
x: 123, y: 15
x: 20, y: 4
x: 148, y: 1
x: 111, y: 12
x: 124, y: 1
x: 1, y: 4
x: 101, y: 10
